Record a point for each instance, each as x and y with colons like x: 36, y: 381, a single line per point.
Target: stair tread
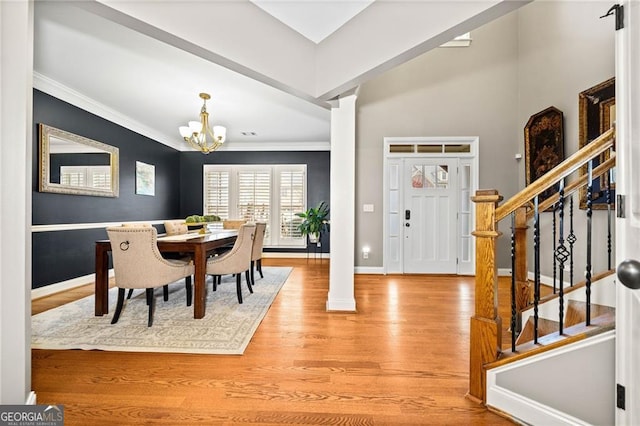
x: 545, y: 326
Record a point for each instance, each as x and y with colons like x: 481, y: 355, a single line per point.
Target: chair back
x: 137, y: 262
x: 175, y: 227
x: 258, y: 241
x: 233, y: 223
x: 136, y: 225
x: 238, y: 259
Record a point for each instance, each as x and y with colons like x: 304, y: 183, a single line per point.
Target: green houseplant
x: 314, y: 222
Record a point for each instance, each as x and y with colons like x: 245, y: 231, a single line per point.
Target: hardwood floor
x: 402, y: 359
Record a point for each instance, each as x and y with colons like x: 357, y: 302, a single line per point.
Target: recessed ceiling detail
x: 315, y: 20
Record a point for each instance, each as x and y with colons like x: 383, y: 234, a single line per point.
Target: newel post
x: 486, y: 325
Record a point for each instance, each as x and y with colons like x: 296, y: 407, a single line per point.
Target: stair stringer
x: 603, y: 292
x: 571, y: 385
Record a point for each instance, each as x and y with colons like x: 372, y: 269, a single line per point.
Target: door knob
x: 629, y: 273
x: 407, y: 224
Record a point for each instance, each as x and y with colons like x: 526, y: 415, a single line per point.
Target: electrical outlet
x: 365, y: 254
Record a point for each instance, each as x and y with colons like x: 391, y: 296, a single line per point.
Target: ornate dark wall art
x: 597, y: 109
x: 544, y: 146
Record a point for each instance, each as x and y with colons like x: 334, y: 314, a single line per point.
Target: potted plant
x: 314, y: 222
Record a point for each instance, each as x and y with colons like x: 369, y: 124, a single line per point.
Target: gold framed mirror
x: 72, y: 164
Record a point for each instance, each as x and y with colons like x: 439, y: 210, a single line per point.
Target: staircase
x: 547, y: 336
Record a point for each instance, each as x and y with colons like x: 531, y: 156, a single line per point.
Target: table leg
x: 102, y: 281
x: 199, y: 282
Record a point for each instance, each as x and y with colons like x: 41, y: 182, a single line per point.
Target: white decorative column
x: 16, y: 71
x: 342, y: 235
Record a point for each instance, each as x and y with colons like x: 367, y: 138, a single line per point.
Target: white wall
x: 543, y: 54
x: 564, y: 49
x: 447, y: 92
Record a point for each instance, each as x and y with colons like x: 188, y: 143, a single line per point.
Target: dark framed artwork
x: 597, y: 111
x: 544, y: 146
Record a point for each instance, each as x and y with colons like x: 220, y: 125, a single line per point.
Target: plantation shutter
x: 292, y: 201
x: 254, y: 195
x: 101, y: 177
x: 216, y: 193
x: 259, y: 193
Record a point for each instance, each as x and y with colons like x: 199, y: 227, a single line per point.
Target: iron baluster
x: 571, y: 238
x: 561, y: 255
x: 588, y: 266
x: 553, y: 226
x: 536, y: 268
x: 513, y: 282
x: 608, y: 192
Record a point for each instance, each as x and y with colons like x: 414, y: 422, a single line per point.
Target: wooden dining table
x: 198, y: 246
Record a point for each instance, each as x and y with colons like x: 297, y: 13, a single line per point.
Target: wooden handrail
x: 576, y: 184
x: 564, y: 169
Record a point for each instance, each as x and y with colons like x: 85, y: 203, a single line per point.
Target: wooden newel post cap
x: 487, y: 196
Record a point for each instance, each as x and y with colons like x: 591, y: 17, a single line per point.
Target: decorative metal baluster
x: 513, y: 282
x: 555, y: 273
x: 571, y: 238
x: 589, y: 213
x: 561, y: 255
x: 536, y: 268
x: 608, y: 192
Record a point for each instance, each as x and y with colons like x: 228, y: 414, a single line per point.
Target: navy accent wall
x: 62, y: 255
x: 192, y: 179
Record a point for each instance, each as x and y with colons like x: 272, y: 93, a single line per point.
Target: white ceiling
x: 136, y: 64
x: 315, y: 20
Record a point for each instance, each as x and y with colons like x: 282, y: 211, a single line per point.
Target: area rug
x: 227, y: 327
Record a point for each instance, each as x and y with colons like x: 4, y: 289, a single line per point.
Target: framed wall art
x: 597, y: 112
x: 544, y: 145
x: 145, y: 179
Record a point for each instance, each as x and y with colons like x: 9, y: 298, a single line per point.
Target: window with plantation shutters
x: 254, y: 195
x: 259, y: 193
x: 216, y: 193
x: 292, y: 201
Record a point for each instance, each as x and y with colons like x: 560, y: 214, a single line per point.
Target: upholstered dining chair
x: 236, y: 261
x: 256, y: 250
x: 175, y: 227
x: 233, y: 223
x: 137, y: 263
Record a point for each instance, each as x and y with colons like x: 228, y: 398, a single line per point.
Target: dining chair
x: 137, y: 263
x: 256, y: 250
x: 175, y: 227
x: 236, y: 261
x: 233, y: 223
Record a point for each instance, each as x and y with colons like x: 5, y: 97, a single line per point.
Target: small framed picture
x: 145, y: 179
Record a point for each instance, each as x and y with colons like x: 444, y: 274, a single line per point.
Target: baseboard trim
x: 376, y: 270
x: 31, y: 399
x: 50, y: 289
x: 504, y: 272
x: 341, y: 305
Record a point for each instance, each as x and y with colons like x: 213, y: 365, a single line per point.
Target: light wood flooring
x: 401, y: 359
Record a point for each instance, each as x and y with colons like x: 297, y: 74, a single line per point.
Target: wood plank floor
x: 402, y: 359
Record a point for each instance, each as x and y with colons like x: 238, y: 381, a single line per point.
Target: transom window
x: 259, y: 193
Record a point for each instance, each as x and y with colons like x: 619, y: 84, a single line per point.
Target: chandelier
x: 200, y: 135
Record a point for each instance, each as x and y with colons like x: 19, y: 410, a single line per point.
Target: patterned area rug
x: 226, y: 328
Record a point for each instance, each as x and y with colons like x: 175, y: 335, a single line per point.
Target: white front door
x: 628, y: 227
x: 429, y: 215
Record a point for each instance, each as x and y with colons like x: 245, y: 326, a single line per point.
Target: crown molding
x: 62, y: 92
